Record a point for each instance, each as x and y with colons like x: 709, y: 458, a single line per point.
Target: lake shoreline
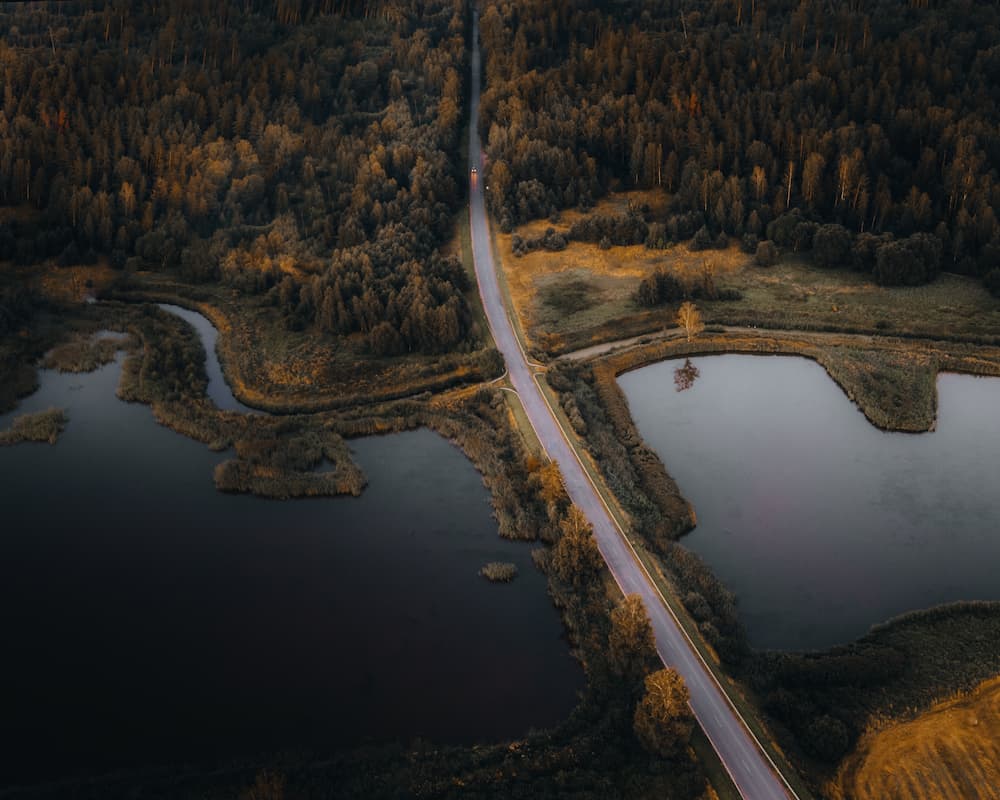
x: 844, y: 525
x: 661, y: 516
x: 253, y: 358
x: 527, y: 505
x: 455, y: 425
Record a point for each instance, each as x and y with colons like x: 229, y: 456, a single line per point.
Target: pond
x: 149, y: 619
x: 820, y: 523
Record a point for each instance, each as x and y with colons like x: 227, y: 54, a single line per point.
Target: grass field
x: 583, y: 295
x: 275, y: 369
x: 949, y: 751
x: 795, y: 294
x: 74, y: 284
x: 600, y: 283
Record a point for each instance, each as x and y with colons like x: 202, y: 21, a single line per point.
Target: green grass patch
x: 796, y: 295
x: 570, y: 296
x: 522, y: 425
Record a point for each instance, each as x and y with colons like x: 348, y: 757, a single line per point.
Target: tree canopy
x: 631, y: 646
x: 878, y: 117
x: 663, y: 719
x: 302, y: 149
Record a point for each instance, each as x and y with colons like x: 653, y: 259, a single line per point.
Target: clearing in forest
x: 584, y: 294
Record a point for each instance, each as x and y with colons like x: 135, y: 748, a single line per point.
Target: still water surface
x: 149, y: 619
x: 820, y: 523
x: 218, y: 390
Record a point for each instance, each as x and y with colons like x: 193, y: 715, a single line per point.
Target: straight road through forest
x: 742, y: 756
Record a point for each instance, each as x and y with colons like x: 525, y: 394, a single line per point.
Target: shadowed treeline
x: 301, y: 152
x: 866, y: 133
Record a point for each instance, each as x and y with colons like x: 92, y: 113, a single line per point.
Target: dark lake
x: 820, y: 523
x: 148, y: 619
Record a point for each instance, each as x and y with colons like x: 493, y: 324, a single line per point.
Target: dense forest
x: 867, y: 130
x: 301, y: 149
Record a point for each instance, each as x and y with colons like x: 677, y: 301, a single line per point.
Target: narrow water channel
x: 218, y: 389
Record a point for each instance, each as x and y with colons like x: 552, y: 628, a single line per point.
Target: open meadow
x: 585, y: 293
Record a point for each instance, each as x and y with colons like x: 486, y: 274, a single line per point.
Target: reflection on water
x: 148, y: 618
x: 822, y: 524
x: 685, y: 376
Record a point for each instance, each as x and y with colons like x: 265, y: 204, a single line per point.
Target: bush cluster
x: 499, y: 571
x: 550, y: 240
x: 665, y: 286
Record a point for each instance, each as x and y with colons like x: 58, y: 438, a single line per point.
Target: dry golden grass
x: 611, y: 276
x: 71, y: 285
x: 791, y: 295
x: 951, y: 752
x: 62, y: 285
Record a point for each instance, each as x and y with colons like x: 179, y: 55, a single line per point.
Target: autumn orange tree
x: 631, y: 646
x: 689, y: 318
x: 663, y: 719
x: 551, y: 489
x: 575, y: 558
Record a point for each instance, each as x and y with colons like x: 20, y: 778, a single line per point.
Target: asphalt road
x: 742, y: 756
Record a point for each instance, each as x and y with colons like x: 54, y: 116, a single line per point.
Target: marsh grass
x: 499, y: 571
x: 165, y: 369
x: 595, y: 743
x: 892, y: 381
x: 40, y: 426
x: 281, y: 371
x: 281, y: 467
x: 895, y: 389
x: 82, y: 353
x: 263, y: 480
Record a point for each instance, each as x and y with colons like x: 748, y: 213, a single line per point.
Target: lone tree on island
x: 689, y: 318
x: 663, y: 720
